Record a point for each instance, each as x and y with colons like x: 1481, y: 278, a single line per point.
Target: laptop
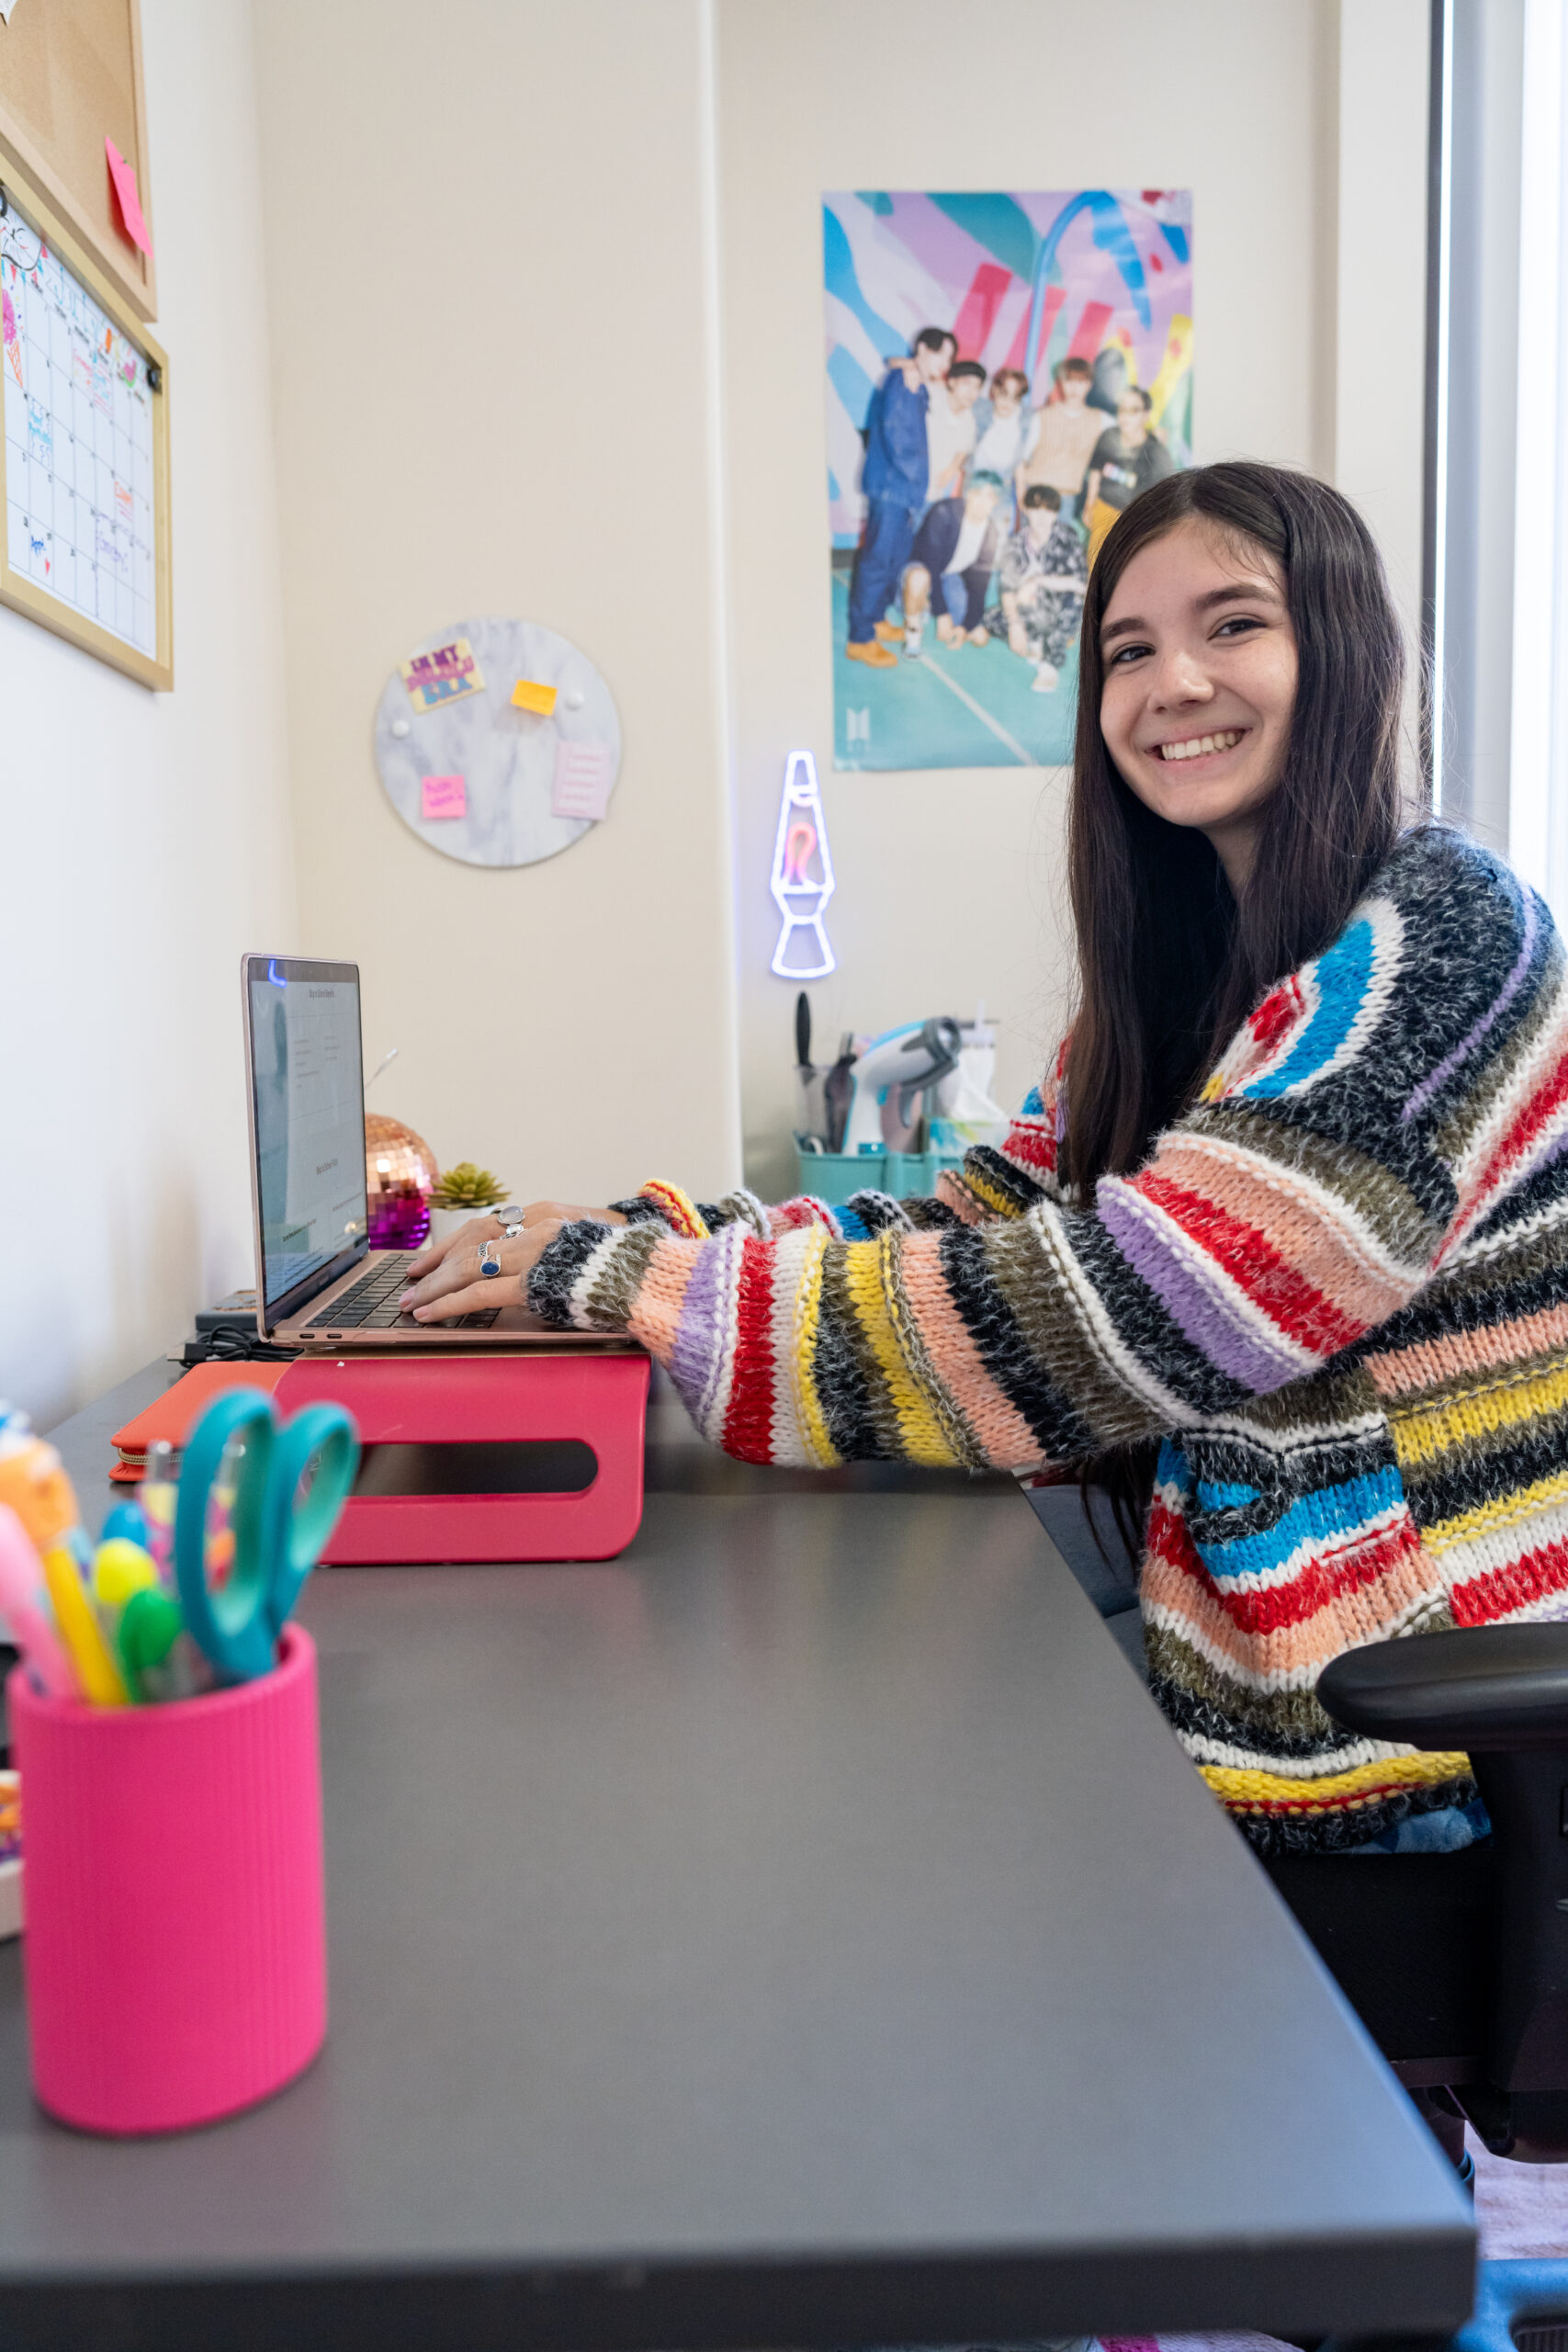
x: 318, y: 1283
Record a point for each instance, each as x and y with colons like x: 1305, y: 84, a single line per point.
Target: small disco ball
x: 399, y: 1176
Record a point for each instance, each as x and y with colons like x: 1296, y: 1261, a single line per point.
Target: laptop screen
x: 308, y: 1105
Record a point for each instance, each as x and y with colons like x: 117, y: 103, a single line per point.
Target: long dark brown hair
x: 1169, y: 961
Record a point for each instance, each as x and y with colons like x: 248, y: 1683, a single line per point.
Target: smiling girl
x: 1280, y: 1247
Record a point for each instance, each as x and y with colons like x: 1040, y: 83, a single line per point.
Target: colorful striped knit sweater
x: 1337, y: 1291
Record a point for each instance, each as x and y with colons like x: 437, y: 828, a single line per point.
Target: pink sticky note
x: 124, y: 177
x: 442, y: 795
x: 584, y: 773
x: 13, y: 340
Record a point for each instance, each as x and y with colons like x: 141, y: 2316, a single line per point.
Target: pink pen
x: 24, y: 1604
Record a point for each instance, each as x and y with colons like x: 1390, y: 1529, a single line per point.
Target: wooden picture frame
x: 20, y: 589
x: 71, y: 77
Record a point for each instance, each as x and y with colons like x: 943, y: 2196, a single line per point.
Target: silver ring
x: 490, y: 1262
x: 511, y: 1232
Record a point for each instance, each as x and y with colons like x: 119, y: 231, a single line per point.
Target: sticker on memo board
x: 443, y: 675
x: 584, y: 773
x: 84, y: 452
x: 442, y: 795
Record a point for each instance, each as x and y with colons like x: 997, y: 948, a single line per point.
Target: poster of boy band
x: 1005, y: 373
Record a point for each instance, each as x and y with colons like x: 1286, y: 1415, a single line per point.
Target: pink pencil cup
x: 174, y: 1935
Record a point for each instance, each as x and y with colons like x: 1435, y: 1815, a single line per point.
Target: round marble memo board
x: 505, y: 756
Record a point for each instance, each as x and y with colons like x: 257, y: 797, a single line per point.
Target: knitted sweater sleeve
x: 1010, y: 1180
x: 1364, y: 1121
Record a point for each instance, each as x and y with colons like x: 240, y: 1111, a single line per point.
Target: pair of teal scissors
x: 280, y: 1525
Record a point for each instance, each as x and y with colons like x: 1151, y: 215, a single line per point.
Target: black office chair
x: 1457, y: 1964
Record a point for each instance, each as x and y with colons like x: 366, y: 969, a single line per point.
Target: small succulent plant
x: 466, y: 1187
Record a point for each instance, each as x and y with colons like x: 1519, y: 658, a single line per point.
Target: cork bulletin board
x: 70, y: 78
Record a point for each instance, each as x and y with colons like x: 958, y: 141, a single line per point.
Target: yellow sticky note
x: 528, y: 695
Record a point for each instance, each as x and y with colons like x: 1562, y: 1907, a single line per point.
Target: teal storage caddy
x: 833, y: 1176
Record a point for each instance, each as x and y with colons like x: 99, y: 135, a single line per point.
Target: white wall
x: 548, y: 447
x: 495, y: 273
x: 146, y: 837
x: 950, y: 882
x: 1380, y: 314
x: 491, y: 318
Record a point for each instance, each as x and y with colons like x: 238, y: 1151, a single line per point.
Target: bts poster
x: 1005, y: 373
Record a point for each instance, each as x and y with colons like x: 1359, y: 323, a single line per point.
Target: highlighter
x: 33, y: 1481
x: 103, y: 1684
x: 120, y: 1568
x: 157, y: 1653
x: 24, y: 1604
x: 127, y: 1519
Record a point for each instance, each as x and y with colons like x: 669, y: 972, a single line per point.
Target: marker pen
x: 24, y: 1604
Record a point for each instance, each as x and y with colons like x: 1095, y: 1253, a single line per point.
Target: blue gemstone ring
x: 490, y: 1262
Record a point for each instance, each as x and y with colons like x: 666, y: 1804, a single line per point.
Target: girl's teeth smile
x: 1196, y: 745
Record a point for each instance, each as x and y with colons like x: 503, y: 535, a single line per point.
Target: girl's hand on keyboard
x: 445, y: 1280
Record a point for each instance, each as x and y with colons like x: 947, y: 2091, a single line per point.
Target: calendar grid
x: 79, y: 452
x: 82, y: 448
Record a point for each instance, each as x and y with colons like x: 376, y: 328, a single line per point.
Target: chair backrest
x: 1499, y: 1693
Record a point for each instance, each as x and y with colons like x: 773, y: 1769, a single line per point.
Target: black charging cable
x: 229, y: 1345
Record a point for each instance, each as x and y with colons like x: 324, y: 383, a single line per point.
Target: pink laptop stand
x: 600, y: 1400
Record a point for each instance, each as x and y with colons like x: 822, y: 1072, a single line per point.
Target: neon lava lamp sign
x: 803, y: 875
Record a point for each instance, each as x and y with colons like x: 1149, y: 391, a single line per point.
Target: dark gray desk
x: 802, y: 1931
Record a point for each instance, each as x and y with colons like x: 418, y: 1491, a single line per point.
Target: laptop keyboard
x: 372, y: 1304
